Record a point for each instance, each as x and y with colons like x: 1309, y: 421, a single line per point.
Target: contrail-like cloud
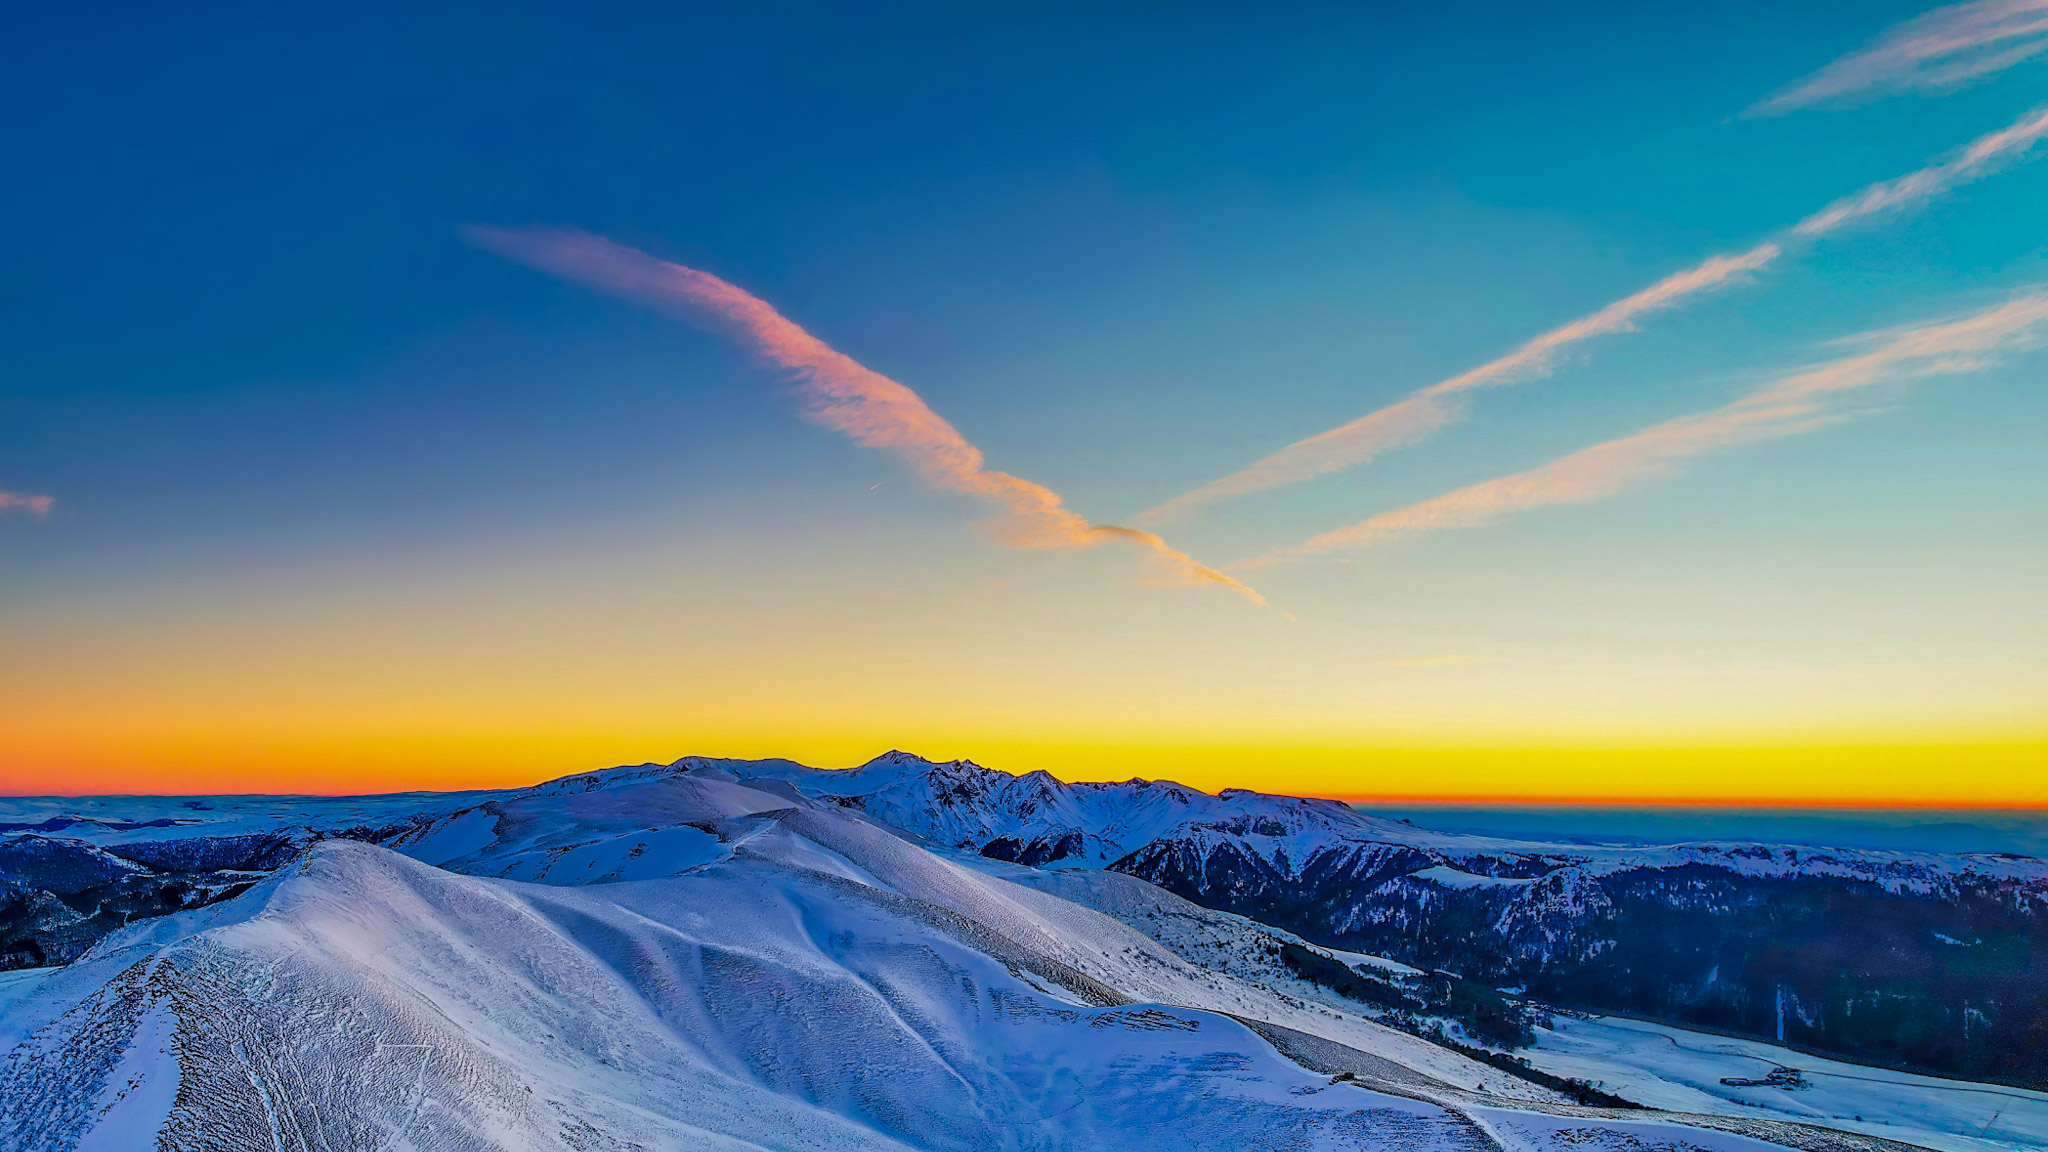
x: 840, y: 393
x: 1943, y: 49
x: 1984, y: 155
x: 33, y: 505
x: 1420, y: 413
x: 1423, y: 412
x: 1793, y: 404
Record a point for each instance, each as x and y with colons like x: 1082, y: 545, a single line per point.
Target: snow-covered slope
x: 762, y: 999
x: 758, y: 954
x: 367, y: 1001
x: 590, y: 818
x: 790, y: 976
x: 1909, y: 957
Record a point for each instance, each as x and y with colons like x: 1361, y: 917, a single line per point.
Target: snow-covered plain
x: 1682, y: 1070
x: 725, y: 955
x: 125, y: 819
x: 19, y: 983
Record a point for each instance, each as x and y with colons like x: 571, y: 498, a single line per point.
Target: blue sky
x: 281, y: 405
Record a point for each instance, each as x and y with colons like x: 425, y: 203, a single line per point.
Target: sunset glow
x: 1647, y: 414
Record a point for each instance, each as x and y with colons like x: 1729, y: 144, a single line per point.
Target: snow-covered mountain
x: 717, y: 964
x: 1038, y: 819
x: 907, y: 954
x: 1909, y: 957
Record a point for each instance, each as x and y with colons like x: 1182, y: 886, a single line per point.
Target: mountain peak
x: 896, y: 757
x: 952, y: 769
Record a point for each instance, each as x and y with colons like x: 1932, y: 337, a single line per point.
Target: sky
x: 1592, y: 403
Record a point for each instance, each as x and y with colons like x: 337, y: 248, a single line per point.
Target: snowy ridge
x: 960, y: 804
x: 1037, y: 819
x: 547, y: 831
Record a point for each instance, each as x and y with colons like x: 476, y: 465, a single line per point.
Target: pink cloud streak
x: 1414, y: 417
x: 1793, y: 404
x: 1410, y: 419
x: 840, y: 393
x: 1983, y: 155
x: 33, y: 505
x: 1942, y: 49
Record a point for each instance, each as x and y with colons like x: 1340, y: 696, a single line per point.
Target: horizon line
x: 1475, y: 799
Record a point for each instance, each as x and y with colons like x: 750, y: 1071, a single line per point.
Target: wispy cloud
x: 1423, y: 412
x: 1792, y: 404
x: 1420, y: 413
x: 1942, y: 49
x: 33, y: 505
x: 840, y: 393
x: 1984, y: 155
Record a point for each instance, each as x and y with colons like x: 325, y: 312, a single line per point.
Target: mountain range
x: 916, y: 954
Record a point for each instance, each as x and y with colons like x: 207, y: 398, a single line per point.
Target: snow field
x: 1681, y: 1070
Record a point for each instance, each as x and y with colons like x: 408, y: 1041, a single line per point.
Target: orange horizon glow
x: 2001, y: 777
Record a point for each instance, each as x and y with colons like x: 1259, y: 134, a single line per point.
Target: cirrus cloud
x: 840, y: 393
x: 1796, y: 403
x: 1418, y: 414
x: 33, y: 505
x: 1941, y: 50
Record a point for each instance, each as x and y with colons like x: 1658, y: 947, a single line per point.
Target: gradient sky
x: 308, y: 486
